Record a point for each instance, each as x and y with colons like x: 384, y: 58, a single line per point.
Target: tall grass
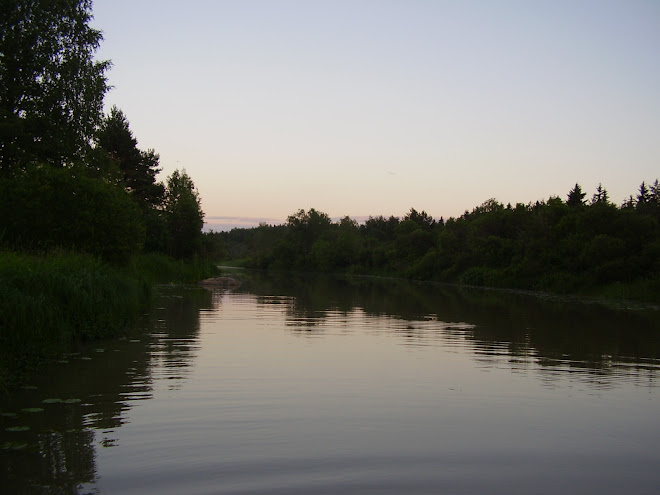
x: 156, y: 268
x: 48, y: 302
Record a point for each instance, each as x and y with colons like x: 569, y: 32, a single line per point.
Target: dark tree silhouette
x: 51, y: 88
x: 600, y: 196
x: 184, y: 215
x: 643, y: 196
x: 576, y: 196
x: 138, y: 168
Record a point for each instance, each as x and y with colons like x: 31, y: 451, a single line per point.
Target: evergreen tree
x: 576, y: 196
x: 643, y: 197
x: 51, y: 88
x: 138, y: 168
x: 628, y: 203
x: 600, y: 196
x: 655, y: 193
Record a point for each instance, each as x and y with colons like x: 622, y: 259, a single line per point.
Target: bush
x: 47, y: 207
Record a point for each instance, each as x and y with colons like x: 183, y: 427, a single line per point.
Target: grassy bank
x: 49, y: 302
x: 157, y: 268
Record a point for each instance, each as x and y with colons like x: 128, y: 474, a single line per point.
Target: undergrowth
x: 50, y: 301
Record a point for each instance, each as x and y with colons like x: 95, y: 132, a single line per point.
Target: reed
x: 48, y: 302
x: 156, y: 268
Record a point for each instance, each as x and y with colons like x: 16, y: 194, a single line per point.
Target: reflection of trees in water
x: 501, y: 328
x: 593, y: 342
x: 175, y: 329
x: 57, y: 454
x: 56, y: 460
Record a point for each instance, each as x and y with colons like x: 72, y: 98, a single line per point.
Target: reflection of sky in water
x: 328, y: 391
x: 597, y: 368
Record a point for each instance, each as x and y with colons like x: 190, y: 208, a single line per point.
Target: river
x: 315, y: 385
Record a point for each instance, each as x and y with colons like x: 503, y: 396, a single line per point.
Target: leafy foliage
x: 51, y: 88
x: 550, y: 245
x: 184, y: 215
x: 45, y: 208
x: 69, y: 209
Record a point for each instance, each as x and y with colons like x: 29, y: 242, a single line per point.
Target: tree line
x: 572, y: 245
x: 70, y: 176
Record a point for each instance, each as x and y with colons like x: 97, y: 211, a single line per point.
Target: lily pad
x: 14, y: 446
x: 51, y: 401
x: 71, y: 401
x: 18, y: 428
x: 8, y: 415
x: 86, y: 358
x: 32, y: 409
x: 100, y: 350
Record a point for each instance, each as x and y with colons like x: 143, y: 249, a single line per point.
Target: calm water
x: 317, y: 385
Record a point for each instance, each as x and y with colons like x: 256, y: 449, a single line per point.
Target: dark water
x: 315, y: 385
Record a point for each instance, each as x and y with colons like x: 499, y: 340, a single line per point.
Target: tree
x: 600, y: 196
x: 655, y: 193
x: 51, y: 208
x: 628, y: 203
x: 51, y: 88
x: 576, y: 196
x: 652, y: 205
x: 422, y: 219
x: 643, y: 197
x: 380, y: 228
x: 304, y: 228
x: 184, y: 215
x: 138, y: 168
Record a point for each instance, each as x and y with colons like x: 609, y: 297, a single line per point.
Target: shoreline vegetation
x: 51, y: 302
x: 85, y: 226
x: 576, y: 246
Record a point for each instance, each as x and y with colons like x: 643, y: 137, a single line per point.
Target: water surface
x: 319, y: 385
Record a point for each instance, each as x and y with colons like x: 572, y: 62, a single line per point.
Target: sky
x: 373, y: 107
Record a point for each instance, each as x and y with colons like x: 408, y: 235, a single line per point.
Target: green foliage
x: 45, y: 208
x: 213, y: 246
x: 158, y: 268
x: 48, y: 302
x: 51, y: 88
x: 138, y: 168
x: 551, y: 245
x: 184, y: 215
x: 58, y: 193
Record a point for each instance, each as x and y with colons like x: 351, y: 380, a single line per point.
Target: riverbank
x: 49, y: 302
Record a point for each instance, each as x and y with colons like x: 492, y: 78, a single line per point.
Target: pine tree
x: 600, y: 196
x: 576, y: 196
x: 138, y: 168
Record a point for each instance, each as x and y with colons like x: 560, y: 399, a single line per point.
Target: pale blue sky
x: 368, y: 107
